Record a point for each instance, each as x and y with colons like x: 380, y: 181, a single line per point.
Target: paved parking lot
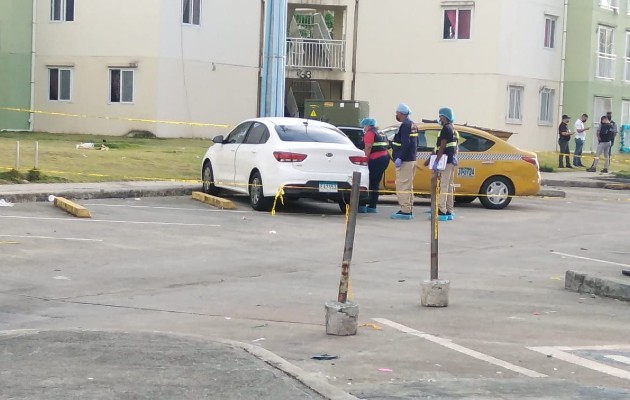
x: 177, y: 266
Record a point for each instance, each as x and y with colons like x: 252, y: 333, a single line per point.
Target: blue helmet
x: 447, y: 113
x: 367, y: 122
x: 403, y: 109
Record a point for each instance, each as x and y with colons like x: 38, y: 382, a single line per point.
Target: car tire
x: 256, y: 198
x: 464, y: 199
x: 496, y: 192
x: 342, y: 204
x: 207, y: 177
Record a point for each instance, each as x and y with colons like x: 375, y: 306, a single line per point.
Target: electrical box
x: 337, y: 112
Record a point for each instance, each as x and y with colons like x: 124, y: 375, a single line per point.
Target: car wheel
x: 256, y: 198
x: 496, y: 193
x: 207, y: 176
x: 464, y: 199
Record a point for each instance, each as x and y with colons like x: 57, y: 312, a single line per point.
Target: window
x: 60, y: 84
x: 237, y: 136
x: 62, y: 10
x: 609, y: 4
x: 515, y: 104
x: 457, y: 23
x: 469, y: 142
x: 625, y: 112
x: 311, y: 133
x: 546, y: 106
x: 626, y: 74
x: 258, y: 134
x: 121, y: 85
x: 191, y: 12
x: 605, y: 54
x: 550, y: 31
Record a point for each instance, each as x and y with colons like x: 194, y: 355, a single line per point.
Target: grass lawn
x: 620, y: 163
x: 127, y: 158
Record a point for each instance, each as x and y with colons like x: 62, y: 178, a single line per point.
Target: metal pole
x: 36, y: 155
x: 349, y: 245
x: 435, y: 192
x: 17, y: 155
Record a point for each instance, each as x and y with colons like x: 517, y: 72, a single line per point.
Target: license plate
x: 328, y: 187
x: 466, y: 172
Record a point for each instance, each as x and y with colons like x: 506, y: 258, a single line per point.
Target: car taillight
x: 359, y: 160
x: 531, y: 160
x: 287, y: 156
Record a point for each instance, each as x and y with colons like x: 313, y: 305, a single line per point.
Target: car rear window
x: 311, y: 133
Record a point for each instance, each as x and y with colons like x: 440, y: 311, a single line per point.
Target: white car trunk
x: 330, y: 157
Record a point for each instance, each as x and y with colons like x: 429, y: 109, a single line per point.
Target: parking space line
x: 559, y: 353
x: 589, y: 259
x: 109, y: 221
x: 51, y: 238
x: 166, y: 208
x: 461, y: 349
x: 621, y: 359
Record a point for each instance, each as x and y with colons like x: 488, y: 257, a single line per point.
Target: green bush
x: 12, y: 175
x: 547, y: 168
x: 34, y: 175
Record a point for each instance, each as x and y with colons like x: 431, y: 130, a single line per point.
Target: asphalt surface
x: 140, y: 297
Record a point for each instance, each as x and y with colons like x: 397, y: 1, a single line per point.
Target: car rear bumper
x: 311, y: 189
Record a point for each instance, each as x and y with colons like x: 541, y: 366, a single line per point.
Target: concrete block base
x: 435, y: 293
x: 616, y: 288
x: 341, y: 318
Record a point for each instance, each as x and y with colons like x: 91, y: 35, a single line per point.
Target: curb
x: 601, y: 286
x: 584, y: 184
x: 100, y: 194
x: 310, y: 380
x: 551, y: 193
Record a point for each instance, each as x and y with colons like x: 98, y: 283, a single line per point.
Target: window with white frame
x: 515, y: 104
x: 626, y: 74
x: 625, y: 112
x: 121, y: 85
x: 191, y: 12
x: 546, y: 106
x: 62, y: 10
x: 59, y: 83
x: 550, y: 31
x: 609, y: 4
x: 605, y: 53
x: 457, y: 23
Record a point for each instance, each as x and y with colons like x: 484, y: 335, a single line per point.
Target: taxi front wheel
x: 496, y: 192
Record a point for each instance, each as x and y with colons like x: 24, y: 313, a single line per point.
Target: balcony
x: 308, y: 53
x: 605, y: 66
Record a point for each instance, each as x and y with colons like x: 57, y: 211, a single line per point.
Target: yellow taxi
x: 489, y: 168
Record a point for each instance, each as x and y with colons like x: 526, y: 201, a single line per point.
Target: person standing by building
x: 613, y: 125
x: 404, y: 150
x: 564, y: 135
x: 446, y: 147
x: 604, y: 137
x: 375, y: 148
x: 580, y: 138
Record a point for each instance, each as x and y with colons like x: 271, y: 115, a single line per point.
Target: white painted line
x: 581, y: 361
x: 109, y: 221
x: 621, y: 359
x: 168, y: 208
x: 51, y: 238
x: 604, y: 347
x: 590, y: 259
x: 461, y: 349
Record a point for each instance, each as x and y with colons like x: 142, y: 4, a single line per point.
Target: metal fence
x: 316, y: 53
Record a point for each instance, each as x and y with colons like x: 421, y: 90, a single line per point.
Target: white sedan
x: 306, y: 158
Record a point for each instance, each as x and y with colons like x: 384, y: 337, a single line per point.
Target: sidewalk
x: 19, y: 193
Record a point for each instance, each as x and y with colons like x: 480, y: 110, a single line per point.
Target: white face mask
x: 439, y: 121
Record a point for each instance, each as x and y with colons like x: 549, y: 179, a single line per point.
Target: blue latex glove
x: 398, y: 162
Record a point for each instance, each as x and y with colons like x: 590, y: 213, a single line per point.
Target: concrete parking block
x: 616, y: 288
x: 214, y: 201
x: 71, y: 207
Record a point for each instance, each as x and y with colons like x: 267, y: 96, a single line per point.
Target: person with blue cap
x: 375, y: 148
x: 404, y: 148
x: 446, y: 147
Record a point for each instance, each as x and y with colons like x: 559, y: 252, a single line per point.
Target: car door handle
x: 487, y: 162
x: 233, y: 150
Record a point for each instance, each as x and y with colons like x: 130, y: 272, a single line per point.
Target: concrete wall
x: 15, y: 62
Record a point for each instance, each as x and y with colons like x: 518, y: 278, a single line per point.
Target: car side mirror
x: 218, y: 139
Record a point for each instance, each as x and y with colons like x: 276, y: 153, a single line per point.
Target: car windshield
x: 310, y: 133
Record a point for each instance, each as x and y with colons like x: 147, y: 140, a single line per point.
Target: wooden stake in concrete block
x: 214, y: 200
x: 72, y: 207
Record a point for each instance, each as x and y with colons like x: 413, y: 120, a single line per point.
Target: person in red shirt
x: 376, y: 146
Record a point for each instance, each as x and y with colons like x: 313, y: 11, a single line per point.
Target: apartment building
x: 15, y: 62
x: 115, y: 62
x: 597, y: 73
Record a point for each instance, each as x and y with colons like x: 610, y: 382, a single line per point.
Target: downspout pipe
x: 33, y: 53
x: 274, y: 63
x: 265, y: 59
x: 355, y: 40
x: 563, y: 61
